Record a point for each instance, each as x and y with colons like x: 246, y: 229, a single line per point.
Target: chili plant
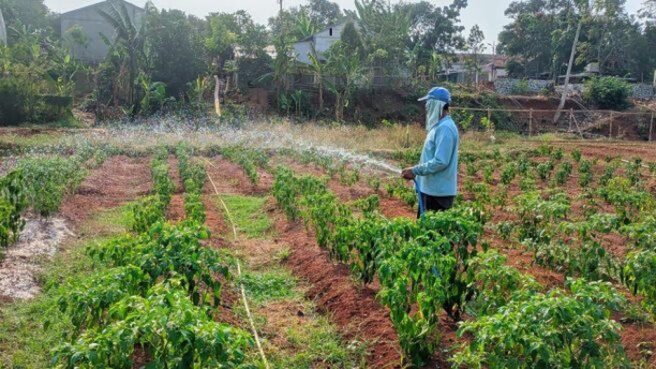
x: 553, y: 330
x: 174, y: 332
x: 12, y: 204
x: 563, y: 173
x: 640, y: 276
x: 412, y: 275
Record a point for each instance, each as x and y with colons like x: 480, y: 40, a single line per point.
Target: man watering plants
x: 436, y: 176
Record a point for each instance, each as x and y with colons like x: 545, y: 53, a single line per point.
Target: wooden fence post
x: 610, y: 125
x: 651, y: 127
x: 489, y: 114
x: 530, y: 123
x: 571, y: 118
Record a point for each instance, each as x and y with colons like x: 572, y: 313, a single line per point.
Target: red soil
x: 636, y: 338
x: 355, y: 310
x: 119, y: 180
x: 176, y: 210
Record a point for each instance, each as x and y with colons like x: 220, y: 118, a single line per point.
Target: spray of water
x: 204, y: 132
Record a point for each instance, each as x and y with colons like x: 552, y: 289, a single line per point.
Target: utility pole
x: 563, y: 98
x: 3, y: 30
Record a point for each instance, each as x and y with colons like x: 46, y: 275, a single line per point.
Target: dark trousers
x: 433, y: 203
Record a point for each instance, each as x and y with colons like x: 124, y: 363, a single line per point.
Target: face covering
x: 434, y: 110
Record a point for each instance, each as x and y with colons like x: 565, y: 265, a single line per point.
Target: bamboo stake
x: 610, y: 126
x: 530, y: 123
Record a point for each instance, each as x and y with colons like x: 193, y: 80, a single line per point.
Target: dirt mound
x: 40, y: 238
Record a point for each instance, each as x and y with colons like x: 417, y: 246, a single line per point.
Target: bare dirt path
x: 353, y: 309
x: 176, y: 211
x: 119, y: 180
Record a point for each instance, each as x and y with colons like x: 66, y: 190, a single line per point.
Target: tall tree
x: 31, y: 13
x: 588, y: 11
x: 384, y: 30
x: 175, y: 66
x: 324, y: 12
x: 539, y: 37
x: 435, y: 28
x: 346, y: 69
x: 475, y: 46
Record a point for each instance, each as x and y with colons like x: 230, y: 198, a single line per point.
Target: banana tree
x: 154, y: 94
x: 318, y: 69
x: 129, y: 42
x: 346, y: 71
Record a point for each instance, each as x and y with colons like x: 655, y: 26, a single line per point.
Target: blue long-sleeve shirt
x: 437, y: 173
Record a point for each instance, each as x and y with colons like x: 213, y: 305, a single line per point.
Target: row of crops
x: 156, y: 290
x: 39, y: 183
x: 569, y: 229
x: 437, y: 264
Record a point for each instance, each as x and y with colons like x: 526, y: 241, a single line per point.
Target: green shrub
x: 16, y: 100
x: 608, y: 93
x: 521, y: 88
x: 20, y: 102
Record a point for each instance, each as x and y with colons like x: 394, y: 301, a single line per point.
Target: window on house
x: 331, y: 32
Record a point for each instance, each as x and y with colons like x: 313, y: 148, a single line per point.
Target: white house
x: 322, y: 41
x: 3, y: 30
x: 496, y: 68
x: 95, y: 27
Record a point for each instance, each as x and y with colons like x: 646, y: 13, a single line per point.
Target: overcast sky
x: 488, y: 14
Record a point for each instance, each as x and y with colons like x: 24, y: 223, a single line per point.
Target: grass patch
x: 268, y: 286
x: 108, y: 222
x: 248, y: 214
x: 319, y: 345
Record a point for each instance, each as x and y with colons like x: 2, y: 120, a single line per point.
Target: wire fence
x: 585, y: 123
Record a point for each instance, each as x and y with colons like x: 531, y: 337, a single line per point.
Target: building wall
x: 93, y: 25
x: 508, y: 86
x: 3, y: 30
x: 302, y: 50
x: 322, y: 41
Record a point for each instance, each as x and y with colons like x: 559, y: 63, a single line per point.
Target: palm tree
x: 129, y: 42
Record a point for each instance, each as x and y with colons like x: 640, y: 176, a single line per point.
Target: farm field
x: 287, y: 246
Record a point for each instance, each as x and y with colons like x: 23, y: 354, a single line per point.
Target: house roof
x: 103, y: 2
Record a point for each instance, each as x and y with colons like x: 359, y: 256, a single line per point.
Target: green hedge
x: 20, y: 102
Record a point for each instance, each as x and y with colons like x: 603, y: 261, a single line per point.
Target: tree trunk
x: 217, y: 98
x: 320, y: 95
x: 563, y: 98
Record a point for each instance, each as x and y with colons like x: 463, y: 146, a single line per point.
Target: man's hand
x: 408, y: 174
